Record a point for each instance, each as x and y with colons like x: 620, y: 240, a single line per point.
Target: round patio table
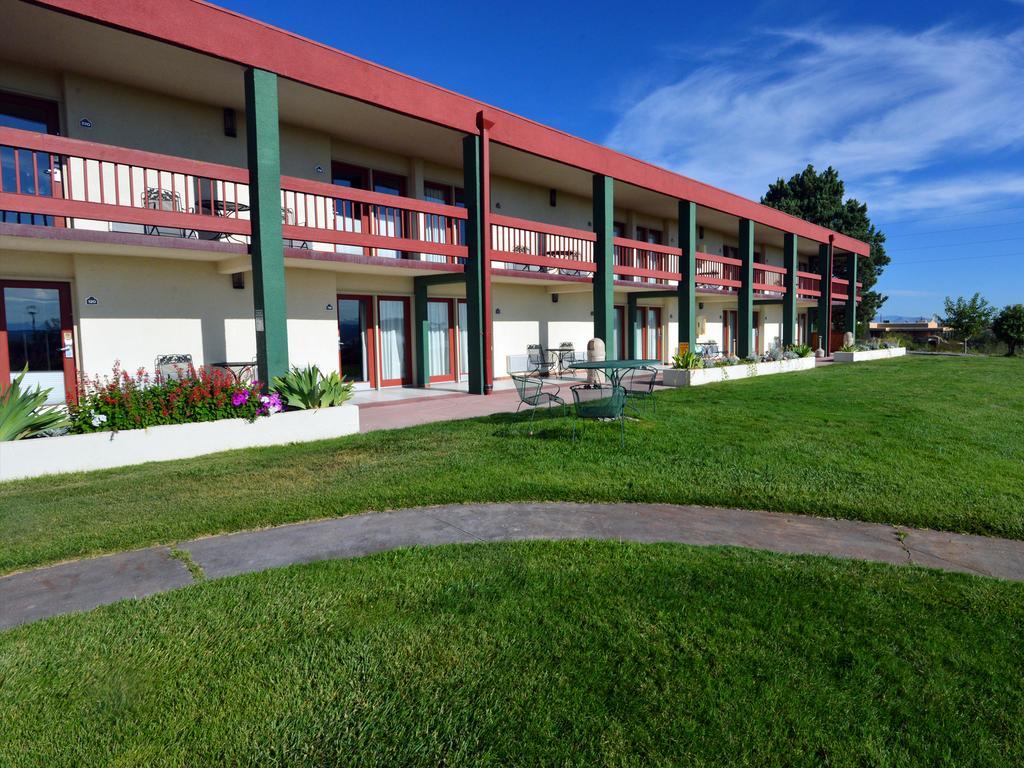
x: 613, y: 369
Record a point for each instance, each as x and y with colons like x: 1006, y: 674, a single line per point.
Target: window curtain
x: 392, y: 340
x: 652, y: 335
x: 437, y: 337
x: 613, y: 353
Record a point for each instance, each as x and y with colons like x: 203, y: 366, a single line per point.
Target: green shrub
x: 308, y: 388
x: 802, y: 350
x: 688, y: 361
x: 21, y: 415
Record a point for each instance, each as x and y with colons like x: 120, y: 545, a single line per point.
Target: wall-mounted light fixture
x: 230, y: 123
x: 700, y: 233
x: 497, y: 205
x: 554, y: 298
x: 497, y: 310
x: 329, y: 307
x: 700, y: 305
x: 553, y: 197
x: 238, y: 281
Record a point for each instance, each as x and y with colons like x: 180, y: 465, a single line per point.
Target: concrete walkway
x: 84, y: 584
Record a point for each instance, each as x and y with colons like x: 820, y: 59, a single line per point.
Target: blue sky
x: 920, y: 106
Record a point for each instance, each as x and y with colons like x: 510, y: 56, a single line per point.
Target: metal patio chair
x: 639, y: 385
x: 167, y: 367
x: 532, y: 393
x: 599, y: 402
x: 537, y: 360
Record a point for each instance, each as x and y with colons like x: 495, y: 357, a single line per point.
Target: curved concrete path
x: 83, y: 584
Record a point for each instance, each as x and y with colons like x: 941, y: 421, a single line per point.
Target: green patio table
x: 613, y: 369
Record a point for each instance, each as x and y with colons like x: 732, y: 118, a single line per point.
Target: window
x: 618, y: 229
x: 28, y: 114
x: 345, y: 175
x: 437, y: 193
x: 388, y: 183
x: 647, y: 235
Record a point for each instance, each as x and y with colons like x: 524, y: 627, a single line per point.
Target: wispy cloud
x: 894, y: 112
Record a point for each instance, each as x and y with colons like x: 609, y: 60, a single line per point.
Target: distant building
x: 921, y: 331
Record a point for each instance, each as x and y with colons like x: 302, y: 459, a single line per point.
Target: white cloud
x: 887, y: 109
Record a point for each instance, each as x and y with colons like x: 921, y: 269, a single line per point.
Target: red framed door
x: 757, y: 333
x: 620, y: 332
x: 37, y: 332
x: 442, y: 358
x: 394, y: 341
x: 463, y: 335
x: 650, y: 326
x: 357, y: 348
x: 730, y: 322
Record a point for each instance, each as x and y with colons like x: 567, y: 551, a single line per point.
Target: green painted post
x: 851, y: 296
x: 824, y: 321
x: 631, y: 326
x: 745, y: 315
x: 267, y: 245
x: 789, y: 309
x: 473, y: 185
x: 687, y: 290
x: 604, y: 259
x: 420, y: 333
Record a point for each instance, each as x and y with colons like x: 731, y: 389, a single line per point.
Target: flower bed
x: 104, y: 450
x: 695, y: 377
x: 868, y: 354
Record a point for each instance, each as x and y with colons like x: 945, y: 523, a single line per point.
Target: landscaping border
x: 695, y: 377
x: 106, y: 450
x: 868, y: 354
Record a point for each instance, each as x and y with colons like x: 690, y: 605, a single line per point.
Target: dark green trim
x: 604, y: 258
x: 789, y: 309
x: 267, y: 247
x: 652, y: 294
x: 851, y: 301
x: 687, y: 290
x: 631, y: 326
x: 745, y: 299
x: 758, y: 302
x: 420, y: 334
x: 823, y: 324
x: 445, y: 278
x: 474, y: 274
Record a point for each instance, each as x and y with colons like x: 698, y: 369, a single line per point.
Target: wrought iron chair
x: 531, y: 392
x: 639, y: 385
x: 537, y: 360
x: 600, y: 402
x: 167, y: 367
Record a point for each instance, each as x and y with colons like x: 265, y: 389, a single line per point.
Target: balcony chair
x: 531, y: 392
x: 600, y: 402
x: 639, y: 385
x: 165, y: 200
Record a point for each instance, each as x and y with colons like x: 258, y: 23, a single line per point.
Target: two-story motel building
x: 180, y: 179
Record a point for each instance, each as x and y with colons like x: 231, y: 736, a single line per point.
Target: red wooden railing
x: 718, y: 272
x: 371, y: 223
x: 532, y: 246
x: 840, y: 289
x: 808, y: 285
x: 647, y: 262
x: 93, y: 183
x: 769, y: 279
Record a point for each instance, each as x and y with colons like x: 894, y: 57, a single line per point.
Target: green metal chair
x: 532, y: 393
x: 639, y: 386
x: 599, y: 402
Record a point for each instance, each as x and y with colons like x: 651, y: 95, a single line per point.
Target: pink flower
x: 271, y: 404
x: 240, y: 398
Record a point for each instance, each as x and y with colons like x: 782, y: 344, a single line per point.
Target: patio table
x: 238, y: 369
x: 613, y: 369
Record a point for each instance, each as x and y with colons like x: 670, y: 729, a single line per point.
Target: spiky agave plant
x: 20, y: 411
x: 308, y: 388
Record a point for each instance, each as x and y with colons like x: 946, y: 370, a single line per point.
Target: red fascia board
x: 215, y: 31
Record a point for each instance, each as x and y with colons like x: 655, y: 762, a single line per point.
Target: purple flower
x: 271, y: 403
x: 240, y: 398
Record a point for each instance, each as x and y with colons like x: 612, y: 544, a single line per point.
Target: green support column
x: 420, y: 334
x: 745, y: 315
x: 789, y: 310
x: 604, y: 258
x: 851, y: 300
x: 267, y: 246
x: 473, y: 185
x: 630, y: 328
x: 687, y: 291
x: 824, y: 319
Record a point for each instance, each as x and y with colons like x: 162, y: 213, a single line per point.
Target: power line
x: 958, y: 258
x: 946, y: 216
x: 995, y: 225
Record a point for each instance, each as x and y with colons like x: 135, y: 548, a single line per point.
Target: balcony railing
x: 61, y: 182
x: 646, y: 262
x: 530, y: 246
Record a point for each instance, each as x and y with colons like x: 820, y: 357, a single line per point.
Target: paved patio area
x: 84, y: 584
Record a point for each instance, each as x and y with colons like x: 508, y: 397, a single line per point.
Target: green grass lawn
x: 935, y: 442
x: 568, y: 653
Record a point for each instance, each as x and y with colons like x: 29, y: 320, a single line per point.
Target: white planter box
x: 868, y: 354
x: 675, y: 377
x: 103, y: 450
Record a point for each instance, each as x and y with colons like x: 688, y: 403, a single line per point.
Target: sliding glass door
x: 395, y: 353
x: 355, y: 339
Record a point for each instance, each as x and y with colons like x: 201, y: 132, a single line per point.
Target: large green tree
x: 1009, y: 327
x: 819, y: 198
x: 968, y: 317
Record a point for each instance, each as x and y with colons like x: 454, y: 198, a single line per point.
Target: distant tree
x: 1009, y: 327
x: 968, y: 317
x: 818, y: 198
